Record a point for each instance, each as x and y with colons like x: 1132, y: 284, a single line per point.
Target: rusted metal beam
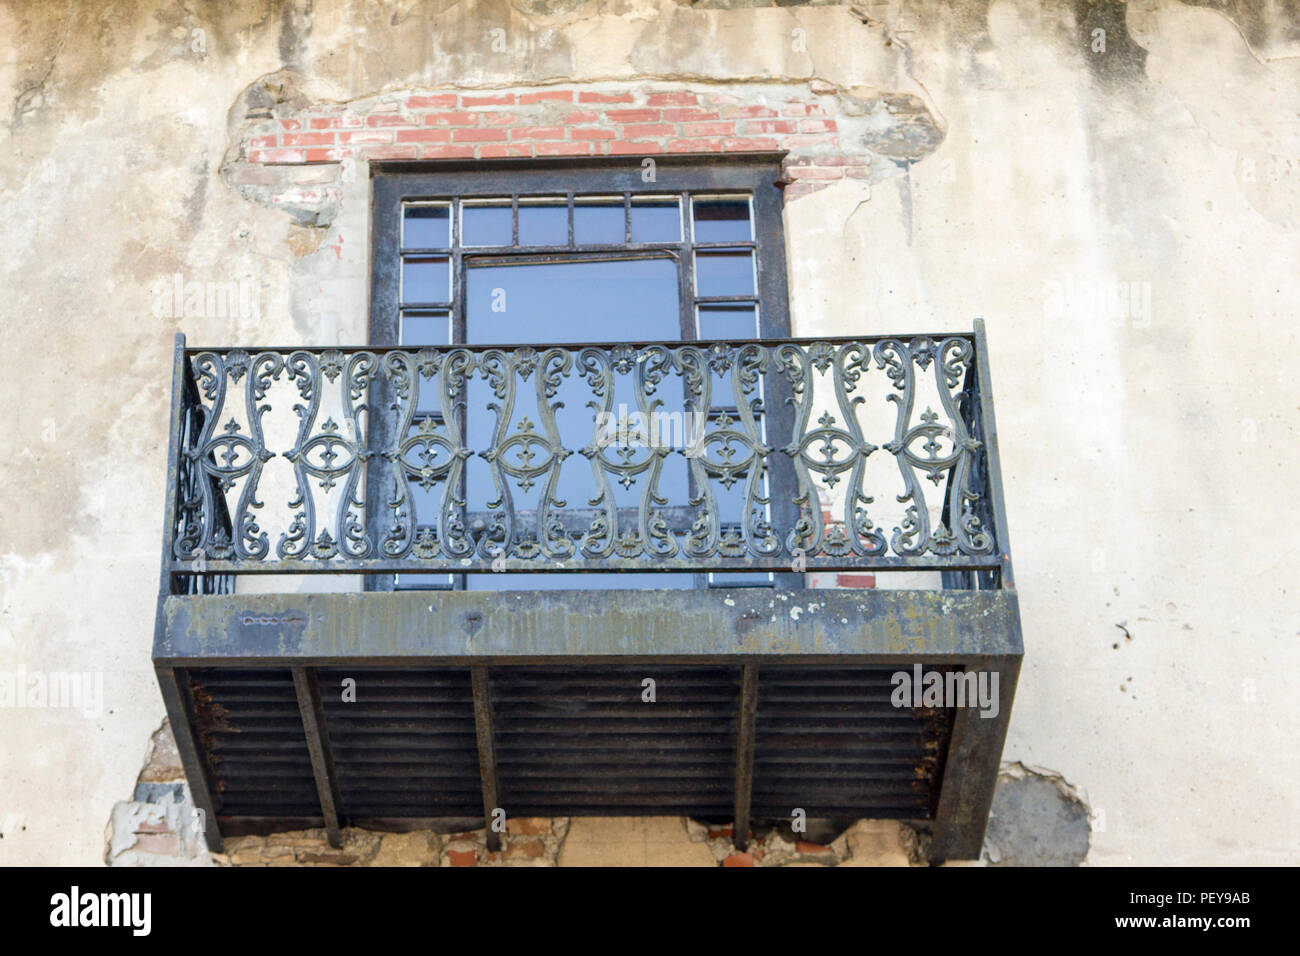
x: 318, y: 746
x: 173, y: 682
x: 746, y: 719
x: 487, y: 761
x: 718, y: 626
x: 971, y: 772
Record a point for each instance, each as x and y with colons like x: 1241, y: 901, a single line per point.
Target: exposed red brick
x: 392, y: 152
x: 327, y: 155
x: 537, y: 132
x: 450, y: 119
x: 604, y: 97
x: 366, y: 136
x: 803, y: 846
x: 463, y: 857
x: 739, y: 859
x: 500, y: 150
x: 671, y: 99
x: 632, y: 116
x: 695, y: 146
x: 446, y: 152
x: 643, y: 130
x: 708, y: 129
x: 669, y: 121
x: 275, y: 156
x: 478, y: 135
x: 755, y: 144
x: 769, y: 126
x: 437, y: 100
x: 308, y: 139
x: 343, y: 121
x: 424, y: 135
x: 623, y: 148
x: 818, y: 126
x: 562, y: 95
x: 855, y: 580
x: 563, y: 149
x: 806, y: 141
x: 747, y: 112
x: 816, y: 172
x: 498, y: 99
x: 689, y: 115
x: 840, y: 160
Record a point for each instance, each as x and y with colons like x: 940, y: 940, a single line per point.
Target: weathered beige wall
x: 1148, y: 455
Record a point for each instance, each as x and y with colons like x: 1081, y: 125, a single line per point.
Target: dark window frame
x: 758, y: 175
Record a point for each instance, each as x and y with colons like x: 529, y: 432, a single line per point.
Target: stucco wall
x: 1148, y: 448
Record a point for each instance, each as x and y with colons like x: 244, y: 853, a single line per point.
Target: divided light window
x: 534, y: 254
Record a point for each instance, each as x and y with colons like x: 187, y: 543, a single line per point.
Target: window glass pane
x: 423, y: 582
x: 543, y: 224
x: 426, y: 280
x: 740, y: 579
x: 426, y: 328
x: 727, y: 322
x: 657, y: 219
x: 724, y: 273
x: 721, y: 220
x: 484, y: 224
x: 606, y: 299
x: 426, y: 226
x: 599, y: 222
x: 600, y: 300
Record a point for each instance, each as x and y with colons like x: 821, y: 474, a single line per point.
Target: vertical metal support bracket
x: 173, y: 682
x: 318, y: 746
x: 971, y: 772
x: 745, y: 728
x: 487, y: 760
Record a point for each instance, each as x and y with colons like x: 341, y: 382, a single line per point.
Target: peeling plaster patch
x: 158, y: 826
x: 1271, y: 31
x: 308, y: 193
x: 898, y: 126
x: 1037, y: 819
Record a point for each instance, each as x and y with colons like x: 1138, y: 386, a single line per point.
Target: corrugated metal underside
x: 572, y: 740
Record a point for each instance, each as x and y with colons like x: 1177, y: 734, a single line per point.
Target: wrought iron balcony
x: 740, y: 467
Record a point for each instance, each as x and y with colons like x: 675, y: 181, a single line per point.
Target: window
x: 533, y: 254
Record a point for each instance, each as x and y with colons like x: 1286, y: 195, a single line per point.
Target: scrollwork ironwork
x: 629, y: 512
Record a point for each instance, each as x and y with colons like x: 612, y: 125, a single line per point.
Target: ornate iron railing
x: 704, y: 456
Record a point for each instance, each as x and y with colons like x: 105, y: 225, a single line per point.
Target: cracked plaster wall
x: 1139, y: 446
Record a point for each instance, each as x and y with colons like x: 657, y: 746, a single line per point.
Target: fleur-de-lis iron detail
x: 768, y: 459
